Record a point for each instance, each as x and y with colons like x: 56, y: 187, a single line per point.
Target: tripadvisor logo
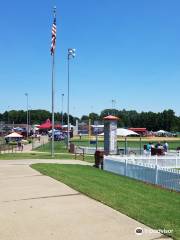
x: 139, y: 231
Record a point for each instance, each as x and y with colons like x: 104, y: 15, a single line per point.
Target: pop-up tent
x: 163, y: 133
x: 123, y: 132
x: 48, y: 125
x: 58, y: 126
x: 14, y: 135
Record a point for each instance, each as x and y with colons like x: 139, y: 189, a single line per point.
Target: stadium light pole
x: 71, y: 54
x: 8, y: 114
x: 113, y: 106
x: 27, y: 128
x: 62, y: 102
x: 29, y: 110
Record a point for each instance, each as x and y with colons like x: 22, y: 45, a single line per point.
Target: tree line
x: 166, y: 120
x: 37, y: 116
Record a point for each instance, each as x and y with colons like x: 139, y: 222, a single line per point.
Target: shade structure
x: 48, y: 125
x: 14, y: 135
x: 162, y: 131
x: 123, y: 132
x: 57, y: 126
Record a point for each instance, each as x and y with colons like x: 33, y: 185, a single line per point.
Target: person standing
x: 148, y: 148
x: 165, y: 146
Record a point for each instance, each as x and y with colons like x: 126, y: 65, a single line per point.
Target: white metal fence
x: 145, y: 171
x: 160, y: 161
x: 90, y: 150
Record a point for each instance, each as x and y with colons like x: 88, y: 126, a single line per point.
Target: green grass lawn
x: 136, y: 144
x: 121, y: 143
x: 155, y: 207
x: 59, y: 147
x: 16, y: 156
x: 86, y: 143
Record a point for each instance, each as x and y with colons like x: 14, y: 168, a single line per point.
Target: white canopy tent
x: 14, y: 135
x: 123, y: 132
x: 161, y: 131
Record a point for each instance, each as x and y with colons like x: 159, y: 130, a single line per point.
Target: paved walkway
x: 33, y: 206
x: 28, y: 148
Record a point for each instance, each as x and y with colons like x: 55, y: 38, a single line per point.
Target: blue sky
x: 125, y: 50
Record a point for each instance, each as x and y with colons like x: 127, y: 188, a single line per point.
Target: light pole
x: 71, y: 54
x: 113, y: 105
x: 29, y: 110
x: 62, y: 102
x: 8, y: 115
x: 27, y: 128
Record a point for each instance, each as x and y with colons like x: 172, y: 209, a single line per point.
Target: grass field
x: 16, y: 156
x: 155, y: 207
x: 132, y: 142
x: 59, y: 147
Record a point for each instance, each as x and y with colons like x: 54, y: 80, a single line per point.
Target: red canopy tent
x: 58, y: 126
x: 48, y: 125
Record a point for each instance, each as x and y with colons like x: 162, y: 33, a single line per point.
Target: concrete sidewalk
x: 29, y: 147
x: 33, y: 206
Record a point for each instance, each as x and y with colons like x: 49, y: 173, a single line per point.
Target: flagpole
x: 52, y: 146
x: 53, y: 93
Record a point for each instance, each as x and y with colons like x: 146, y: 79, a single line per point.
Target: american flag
x: 53, y: 41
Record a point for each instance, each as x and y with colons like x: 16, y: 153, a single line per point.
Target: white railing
x: 137, y: 168
x: 160, y: 161
x: 90, y: 150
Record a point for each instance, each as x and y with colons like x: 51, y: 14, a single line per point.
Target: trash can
x: 72, y: 148
x: 98, y: 156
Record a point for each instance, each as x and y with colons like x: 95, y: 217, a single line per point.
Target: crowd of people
x: 151, y: 146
